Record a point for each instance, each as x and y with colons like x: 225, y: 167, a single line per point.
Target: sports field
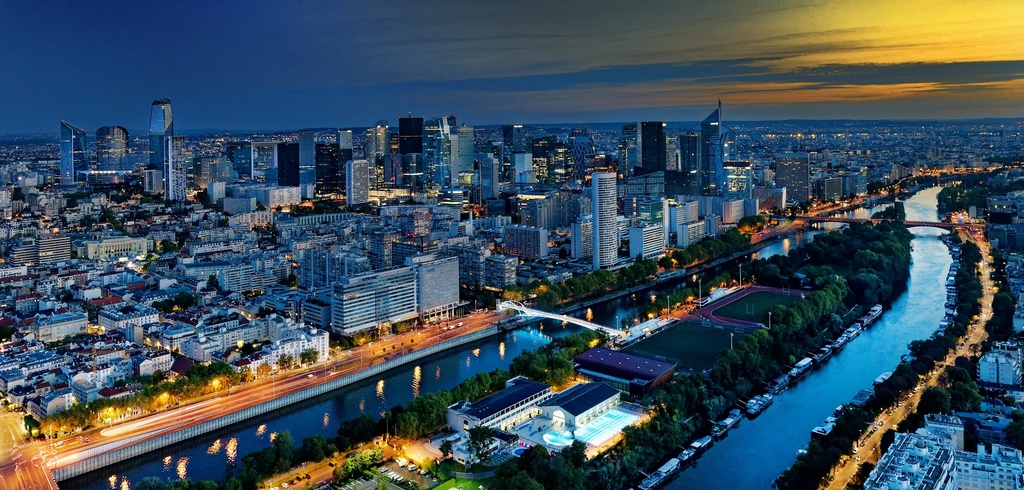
x: 754, y: 306
x: 689, y: 344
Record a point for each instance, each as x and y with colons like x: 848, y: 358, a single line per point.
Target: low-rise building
x: 577, y: 406
x: 503, y: 410
x: 113, y: 248
x: 1001, y: 365
x: 915, y: 461
x: 634, y: 374
x: 56, y: 327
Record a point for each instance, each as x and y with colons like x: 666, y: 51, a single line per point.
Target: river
x: 756, y: 452
x: 206, y: 457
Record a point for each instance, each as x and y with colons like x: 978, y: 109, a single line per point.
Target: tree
x: 446, y: 448
x: 934, y: 400
x: 309, y: 356
x: 479, y: 439
x: 285, y: 361
x: 213, y: 282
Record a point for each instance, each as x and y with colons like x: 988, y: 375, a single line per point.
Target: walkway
x: 530, y: 312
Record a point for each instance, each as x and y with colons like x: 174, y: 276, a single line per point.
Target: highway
x: 22, y: 467
x: 101, y: 439
x: 869, y: 445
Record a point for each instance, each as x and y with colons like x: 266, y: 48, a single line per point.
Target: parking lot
x: 394, y: 472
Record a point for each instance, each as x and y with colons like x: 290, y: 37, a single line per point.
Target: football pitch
x: 754, y: 306
x: 689, y: 344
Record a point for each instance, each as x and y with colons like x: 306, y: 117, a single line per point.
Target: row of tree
x: 548, y: 296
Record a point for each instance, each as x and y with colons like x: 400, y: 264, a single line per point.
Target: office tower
x: 629, y: 146
x: 365, y: 302
x: 112, y: 148
x: 582, y: 238
x: 380, y: 245
x: 523, y: 165
x: 490, y: 175
x: 208, y: 170
x: 330, y: 161
x: 410, y: 135
x: 710, y: 134
x: 307, y: 157
x: 737, y: 181
x: 175, y: 169
x: 345, y: 139
x: 653, y: 157
x: 241, y: 156
x: 528, y: 242
x: 606, y: 233
x: 647, y: 241
x: 581, y: 144
x: 437, y: 151
x: 793, y: 171
x: 287, y: 164
x: 436, y: 286
x: 377, y: 142
x: 412, y: 246
x: 463, y: 150
x: 357, y: 182
x: 413, y: 171
x: 511, y: 141
x: 689, y: 161
x: 72, y: 153
x: 161, y: 125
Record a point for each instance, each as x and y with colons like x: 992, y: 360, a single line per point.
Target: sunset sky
x: 269, y: 65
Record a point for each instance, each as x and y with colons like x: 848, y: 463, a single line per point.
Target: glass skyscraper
x: 112, y: 148
x: 710, y: 164
x: 72, y: 153
x: 161, y: 125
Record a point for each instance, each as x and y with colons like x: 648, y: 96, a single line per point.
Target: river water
x: 207, y: 457
x: 756, y: 452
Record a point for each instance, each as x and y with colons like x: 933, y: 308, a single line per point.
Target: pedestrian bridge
x: 530, y: 312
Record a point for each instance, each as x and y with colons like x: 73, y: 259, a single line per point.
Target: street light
x: 769, y: 320
x: 700, y: 293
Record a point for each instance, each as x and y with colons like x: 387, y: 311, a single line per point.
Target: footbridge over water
x: 530, y: 312
x: 908, y: 224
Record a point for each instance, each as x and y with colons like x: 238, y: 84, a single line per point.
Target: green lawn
x: 754, y: 306
x: 689, y: 344
x: 464, y: 484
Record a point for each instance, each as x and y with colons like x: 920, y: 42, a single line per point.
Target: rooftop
x: 582, y: 397
x: 518, y: 390
x: 622, y: 365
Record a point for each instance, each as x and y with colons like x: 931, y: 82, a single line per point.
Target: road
x: 868, y: 448
x: 107, y: 438
x: 22, y: 467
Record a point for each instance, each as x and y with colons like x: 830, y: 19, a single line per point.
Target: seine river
x: 763, y: 448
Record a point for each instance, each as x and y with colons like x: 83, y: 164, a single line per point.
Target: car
x: 285, y: 485
x: 332, y: 464
x: 459, y: 325
x: 412, y: 467
x: 383, y: 469
x: 87, y: 440
x: 310, y: 375
x: 306, y: 476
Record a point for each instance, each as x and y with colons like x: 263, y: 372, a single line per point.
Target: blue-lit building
x: 72, y: 153
x: 161, y: 126
x: 112, y: 148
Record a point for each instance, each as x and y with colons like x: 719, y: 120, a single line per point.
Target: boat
x: 872, y: 315
x: 824, y: 354
x: 824, y: 429
x: 720, y: 429
x: 687, y: 454
x: 661, y: 475
x: 841, y: 342
x: 702, y: 444
x: 801, y: 368
x: 779, y: 384
x: 759, y: 404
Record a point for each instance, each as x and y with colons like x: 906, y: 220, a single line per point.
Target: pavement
x: 868, y: 448
x: 110, y: 437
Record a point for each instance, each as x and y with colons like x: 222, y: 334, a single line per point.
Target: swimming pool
x: 595, y: 433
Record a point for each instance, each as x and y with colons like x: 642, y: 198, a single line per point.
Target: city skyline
x: 263, y: 65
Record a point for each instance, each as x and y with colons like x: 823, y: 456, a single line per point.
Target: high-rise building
x: 689, y: 161
x: 647, y: 241
x: 463, y: 150
x: 72, y: 153
x: 710, y: 172
x: 512, y: 141
x: 377, y: 142
x: 653, y: 156
x: 915, y: 461
x: 437, y: 151
x: 307, y: 157
x: 330, y: 161
x: 412, y: 246
x: 175, y: 169
x: 357, y: 182
x: 737, y: 179
x: 161, y: 125
x: 241, y: 156
x: 793, y: 171
x: 112, y: 148
x: 528, y: 242
x: 380, y: 244
x: 581, y: 144
x: 582, y: 238
x: 629, y: 146
x: 490, y: 175
x: 437, y: 294
x: 606, y: 232
x: 410, y: 135
x: 287, y: 164
x: 366, y: 302
x: 345, y: 139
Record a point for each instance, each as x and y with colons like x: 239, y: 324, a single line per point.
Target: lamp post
x: 741, y: 274
x: 730, y: 340
x: 700, y: 293
x: 769, y: 320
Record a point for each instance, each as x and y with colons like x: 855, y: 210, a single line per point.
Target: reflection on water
x: 476, y: 352
x: 214, y: 448
x: 167, y: 463
x: 124, y: 484
x: 273, y: 437
x: 327, y: 419
x: 262, y: 429
x: 437, y: 374
x: 416, y: 375
x: 183, y: 468
x: 380, y: 389
x: 232, y: 450
x: 113, y: 482
x: 501, y: 351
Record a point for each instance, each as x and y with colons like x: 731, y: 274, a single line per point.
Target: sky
x: 347, y: 63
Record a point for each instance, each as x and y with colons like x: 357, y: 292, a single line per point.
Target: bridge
x: 530, y: 312
x: 908, y: 224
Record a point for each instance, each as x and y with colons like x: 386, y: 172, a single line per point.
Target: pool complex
x: 594, y: 433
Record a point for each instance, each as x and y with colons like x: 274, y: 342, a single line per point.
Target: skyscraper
x: 410, y: 135
x: 737, y: 179
x: 242, y: 157
x: 161, y: 125
x: 512, y: 141
x: 288, y: 164
x: 629, y: 147
x: 463, y: 149
x: 307, y: 157
x: 72, y: 153
x: 437, y: 151
x: 345, y: 139
x: 112, y: 148
x: 710, y: 172
x: 330, y: 161
x: 689, y: 161
x: 377, y: 142
x: 357, y: 182
x: 175, y: 183
x: 581, y: 144
x: 793, y: 171
x: 652, y: 146
x: 606, y: 233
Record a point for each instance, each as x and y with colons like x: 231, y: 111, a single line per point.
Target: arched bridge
x: 908, y: 224
x: 530, y: 312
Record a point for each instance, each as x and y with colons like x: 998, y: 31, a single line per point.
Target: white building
x: 56, y: 327
x: 113, y: 248
x: 437, y: 289
x: 582, y: 238
x: 357, y: 182
x: 647, y: 241
x: 914, y: 461
x: 128, y: 319
x: 293, y: 342
x: 606, y: 237
x: 999, y: 469
x: 175, y: 183
x: 689, y: 233
x: 367, y: 302
x: 1001, y: 365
